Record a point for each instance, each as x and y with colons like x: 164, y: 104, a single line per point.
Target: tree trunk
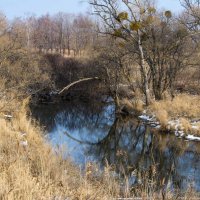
x: 144, y: 72
x: 157, y: 89
x: 158, y: 95
x: 68, y: 46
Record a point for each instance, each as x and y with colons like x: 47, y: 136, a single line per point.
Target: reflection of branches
x: 110, y: 133
x: 103, y: 141
x: 74, y: 115
x: 77, y: 140
x: 141, y: 153
x: 137, y: 139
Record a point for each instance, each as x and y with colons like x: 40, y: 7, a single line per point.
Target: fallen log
x: 76, y: 82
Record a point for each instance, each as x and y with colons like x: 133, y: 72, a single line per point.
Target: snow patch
x: 8, y: 116
x: 23, y: 143
x: 192, y: 137
x: 172, y: 124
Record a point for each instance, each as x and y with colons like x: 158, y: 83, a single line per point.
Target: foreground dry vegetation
x: 31, y: 169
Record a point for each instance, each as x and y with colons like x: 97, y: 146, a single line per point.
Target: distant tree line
x: 62, y: 33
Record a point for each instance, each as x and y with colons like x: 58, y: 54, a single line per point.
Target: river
x: 90, y: 132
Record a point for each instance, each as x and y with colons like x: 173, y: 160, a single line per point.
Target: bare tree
x: 191, y: 13
x: 83, y: 31
x: 160, y: 45
x: 127, y: 25
x: 43, y: 33
x: 168, y: 49
x: 68, y: 33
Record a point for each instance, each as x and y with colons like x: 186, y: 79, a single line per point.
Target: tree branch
x: 76, y: 82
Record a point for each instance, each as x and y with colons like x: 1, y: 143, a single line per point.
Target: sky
x: 20, y: 8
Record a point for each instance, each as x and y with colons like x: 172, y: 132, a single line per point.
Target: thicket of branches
x: 161, y: 45
x: 130, y: 43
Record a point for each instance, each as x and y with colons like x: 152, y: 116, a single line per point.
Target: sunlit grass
x: 183, y: 107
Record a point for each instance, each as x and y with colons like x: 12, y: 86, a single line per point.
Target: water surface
x: 92, y: 132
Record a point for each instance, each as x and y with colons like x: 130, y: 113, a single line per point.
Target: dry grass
x: 162, y: 116
x: 186, y: 125
x: 35, y: 171
x: 29, y: 169
x: 183, y: 105
x: 127, y: 103
x: 132, y: 105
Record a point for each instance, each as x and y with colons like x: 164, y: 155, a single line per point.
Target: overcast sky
x: 16, y: 8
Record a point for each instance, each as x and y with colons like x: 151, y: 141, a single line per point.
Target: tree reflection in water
x: 135, y: 151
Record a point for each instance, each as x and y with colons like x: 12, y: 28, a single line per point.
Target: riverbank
x: 180, y: 116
